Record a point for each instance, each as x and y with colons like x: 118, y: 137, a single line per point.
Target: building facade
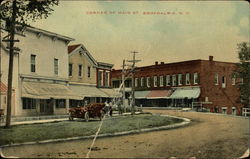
x: 40, y: 82
x: 89, y: 78
x: 196, y: 83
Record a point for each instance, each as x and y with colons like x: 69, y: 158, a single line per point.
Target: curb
x: 185, y: 122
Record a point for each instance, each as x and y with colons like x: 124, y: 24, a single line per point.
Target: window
x: 100, y: 78
x: 56, y: 66
x: 234, y: 111
x: 29, y: 103
x: 80, y: 70
x: 216, y: 79
x: 155, y: 81
x: 168, y: 82
x: 136, y: 82
x: 233, y: 80
x: 148, y: 81
x: 60, y: 103
x: 196, y: 78
x: 223, y: 82
x: 142, y: 81
x: 173, y: 80
x: 224, y: 110
x: 33, y: 63
x: 179, y: 79
x: 107, y: 78
x: 89, y: 71
x: 161, y: 81
x: 70, y: 69
x: 187, y: 79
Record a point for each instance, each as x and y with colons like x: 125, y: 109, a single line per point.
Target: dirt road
x: 208, y: 136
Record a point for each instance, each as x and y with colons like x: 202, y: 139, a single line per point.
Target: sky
x: 163, y: 31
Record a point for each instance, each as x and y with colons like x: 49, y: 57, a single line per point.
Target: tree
x: 20, y: 12
x: 243, y: 72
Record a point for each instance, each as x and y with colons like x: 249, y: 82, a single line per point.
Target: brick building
x: 196, y: 83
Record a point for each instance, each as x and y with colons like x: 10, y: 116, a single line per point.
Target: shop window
x: 29, y: 103
x: 161, y: 81
x: 60, y: 103
x: 187, y: 79
x: 168, y: 82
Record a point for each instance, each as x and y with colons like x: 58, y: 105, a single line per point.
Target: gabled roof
x: 72, y: 49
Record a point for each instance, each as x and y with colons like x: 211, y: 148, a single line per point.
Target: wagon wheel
x: 86, y: 116
x: 101, y: 114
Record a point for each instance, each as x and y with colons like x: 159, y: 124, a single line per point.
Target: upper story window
x: 148, y: 81
x: 155, y: 81
x: 107, y: 78
x: 142, y: 81
x: 187, y: 79
x: 33, y: 63
x: 179, y: 79
x: 216, y: 79
x: 70, y: 69
x: 89, y: 71
x: 56, y: 66
x: 161, y: 81
x: 100, y: 78
x: 168, y: 82
x: 136, y: 82
x: 233, y: 80
x: 223, y: 82
x: 173, y: 80
x: 196, y: 78
x: 80, y: 70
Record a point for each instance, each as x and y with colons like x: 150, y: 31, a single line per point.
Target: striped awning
x: 189, y: 93
x: 141, y: 94
x: 39, y: 90
x: 3, y: 87
x: 159, y: 94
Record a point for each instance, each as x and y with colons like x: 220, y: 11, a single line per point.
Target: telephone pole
x: 123, y: 85
x: 133, y: 80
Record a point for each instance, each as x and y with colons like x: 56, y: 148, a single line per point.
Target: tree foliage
x: 243, y: 72
x: 26, y: 10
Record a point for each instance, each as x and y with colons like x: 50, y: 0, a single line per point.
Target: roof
x: 72, y: 47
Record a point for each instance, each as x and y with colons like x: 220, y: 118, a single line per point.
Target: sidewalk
x: 44, y: 120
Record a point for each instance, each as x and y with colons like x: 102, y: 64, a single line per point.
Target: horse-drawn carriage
x: 93, y: 110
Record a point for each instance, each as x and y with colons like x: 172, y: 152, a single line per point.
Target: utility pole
x: 11, y: 56
x: 133, y: 80
x: 123, y: 85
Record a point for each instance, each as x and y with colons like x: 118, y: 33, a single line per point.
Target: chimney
x: 162, y: 63
x: 156, y: 62
x: 211, y: 58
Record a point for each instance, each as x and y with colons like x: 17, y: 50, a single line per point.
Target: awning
x: 111, y: 92
x: 88, y: 91
x: 189, y: 93
x: 141, y: 94
x: 39, y: 90
x: 3, y: 88
x: 159, y: 94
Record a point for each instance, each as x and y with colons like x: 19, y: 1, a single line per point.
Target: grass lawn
x: 64, y: 129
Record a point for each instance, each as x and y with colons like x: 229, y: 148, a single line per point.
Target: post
x: 10, y: 73
x: 123, y: 86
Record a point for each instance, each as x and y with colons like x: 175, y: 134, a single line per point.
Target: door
x: 46, y: 106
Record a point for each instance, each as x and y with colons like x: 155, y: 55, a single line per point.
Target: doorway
x: 46, y: 106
